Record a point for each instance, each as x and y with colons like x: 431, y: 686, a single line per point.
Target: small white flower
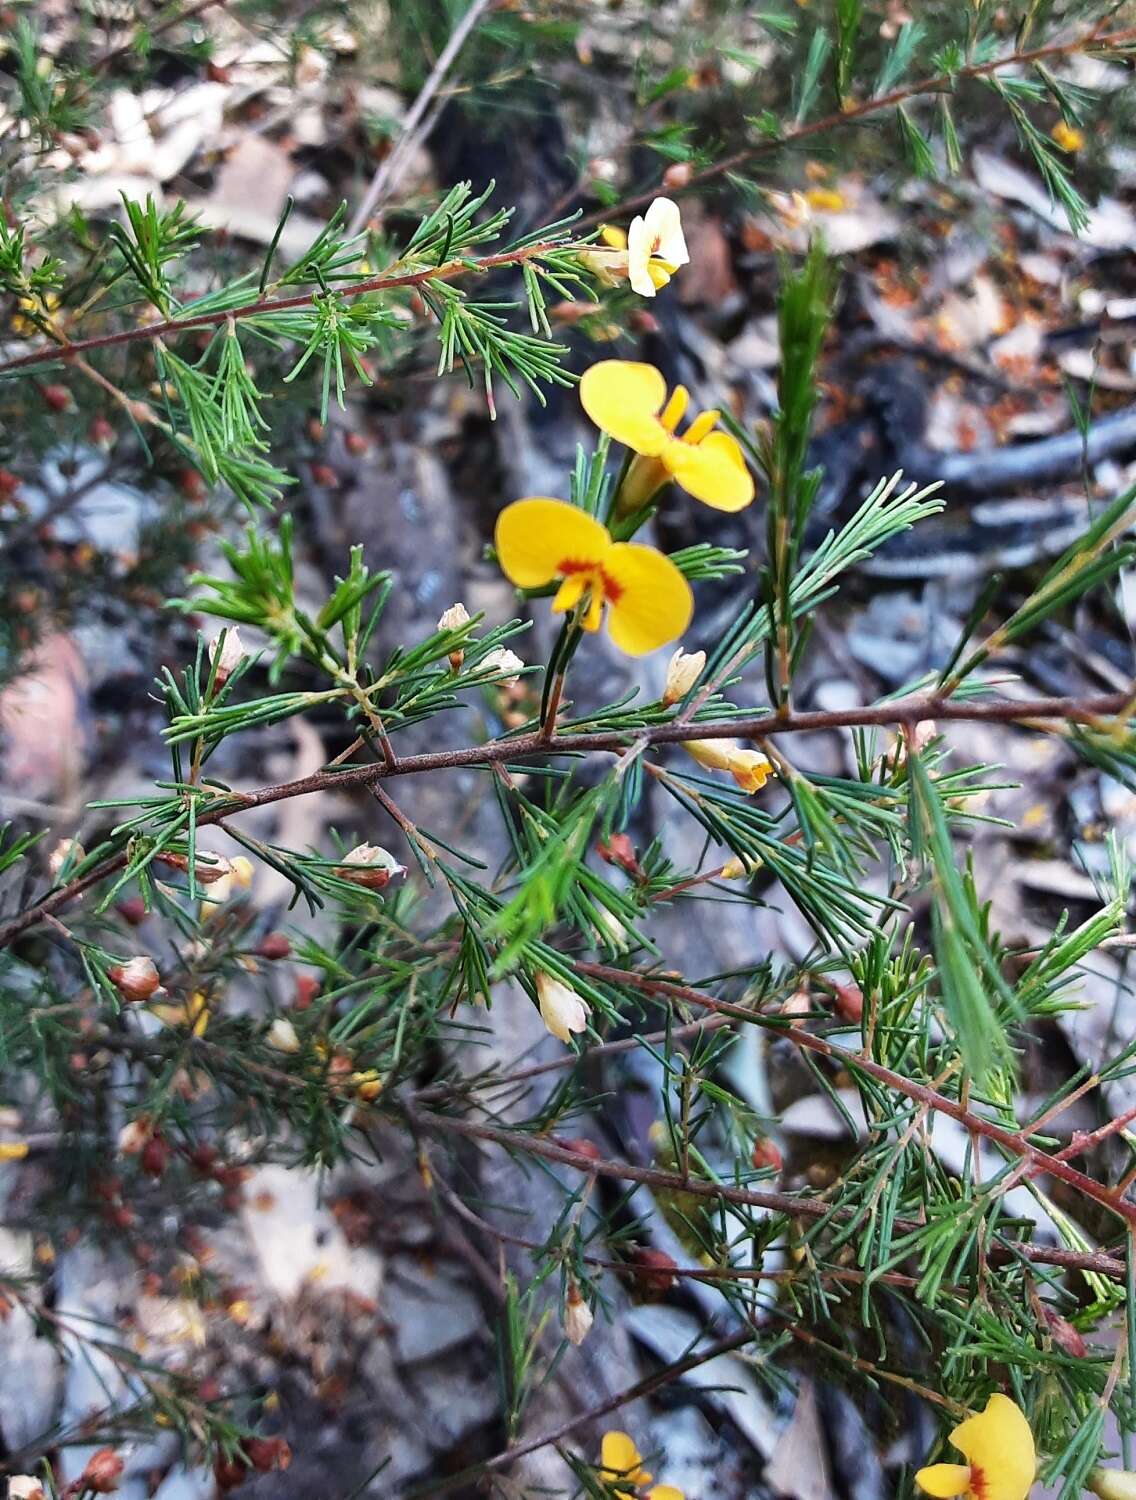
x: 226, y: 653
x: 453, y: 618
x: 508, y: 663
x: 653, y: 238
x: 370, y: 865
x: 683, y: 671
x: 282, y: 1036
x: 561, y: 1009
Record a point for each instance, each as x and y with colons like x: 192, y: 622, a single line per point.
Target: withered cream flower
x: 749, y: 768
x: 369, y: 865
x: 683, y: 671
x: 282, y: 1036
x: 505, y: 662
x: 561, y: 1009
x: 578, y: 1318
x: 226, y: 653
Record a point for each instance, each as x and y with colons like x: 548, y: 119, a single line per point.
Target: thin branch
x: 784, y: 1203
x: 171, y: 327
x: 533, y: 744
x: 386, y: 177
x: 939, y: 83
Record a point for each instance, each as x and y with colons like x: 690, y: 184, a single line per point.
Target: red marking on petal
x: 613, y: 590
x: 977, y: 1482
x: 569, y: 565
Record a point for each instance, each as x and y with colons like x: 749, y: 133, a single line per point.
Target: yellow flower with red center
x: 1001, y: 1459
x: 649, y: 253
x: 629, y: 402
x: 622, y: 1469
x: 648, y: 600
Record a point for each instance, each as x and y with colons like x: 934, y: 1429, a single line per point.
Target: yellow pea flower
x: 649, y: 253
x: 622, y: 1468
x: 648, y: 599
x: 1002, y: 1461
x: 628, y: 401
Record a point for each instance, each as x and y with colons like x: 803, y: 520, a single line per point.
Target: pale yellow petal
x: 711, y: 471
x: 999, y: 1444
x: 664, y: 1492
x: 664, y: 223
x: 650, y: 600
x: 536, y: 538
x: 623, y: 398
x: 944, y: 1480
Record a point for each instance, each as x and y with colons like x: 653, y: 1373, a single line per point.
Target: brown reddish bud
x: 356, y: 444
x: 268, y: 1454
x: 100, y: 432
x: 315, y: 429
x: 155, y: 1156
x: 209, y: 1389
x: 216, y: 73
x: 325, y: 476
x: 1064, y: 1334
x: 203, y: 1158
x: 583, y: 1147
x: 132, y: 910
x: 121, y: 1216
x: 643, y: 321
x: 654, y: 1271
x: 273, y: 945
x: 369, y: 865
x: 619, y: 850
x: 136, y: 980
x: 229, y: 1472
x: 848, y: 1000
x: 58, y: 397
x: 103, y: 1471
x: 678, y: 174
x: 797, y: 1007
x: 9, y: 484
x: 307, y: 988
x: 766, y: 1154
x: 192, y: 485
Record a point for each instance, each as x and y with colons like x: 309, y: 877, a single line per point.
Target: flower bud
x: 683, y: 671
x: 714, y: 755
x: 1068, y: 1338
x: 453, y: 619
x: 654, y: 1271
x: 678, y: 174
x: 766, y: 1154
x: 578, y: 1318
x: 66, y: 851
x: 619, y: 850
x: 848, y: 1001
x: 267, y: 1454
x: 561, y: 1009
x: 154, y: 1157
x: 103, y: 1471
x: 737, y: 868
x: 133, y: 1136
x: 58, y: 397
x: 369, y: 865
x: 282, y: 1036
x: 1113, y: 1484
x: 136, y: 980
x: 506, y: 663
x: 226, y: 653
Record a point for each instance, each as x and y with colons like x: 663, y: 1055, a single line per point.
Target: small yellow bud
x: 13, y: 1150
x: 1069, y: 138
x: 738, y: 868
x: 683, y: 671
x: 561, y: 1009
